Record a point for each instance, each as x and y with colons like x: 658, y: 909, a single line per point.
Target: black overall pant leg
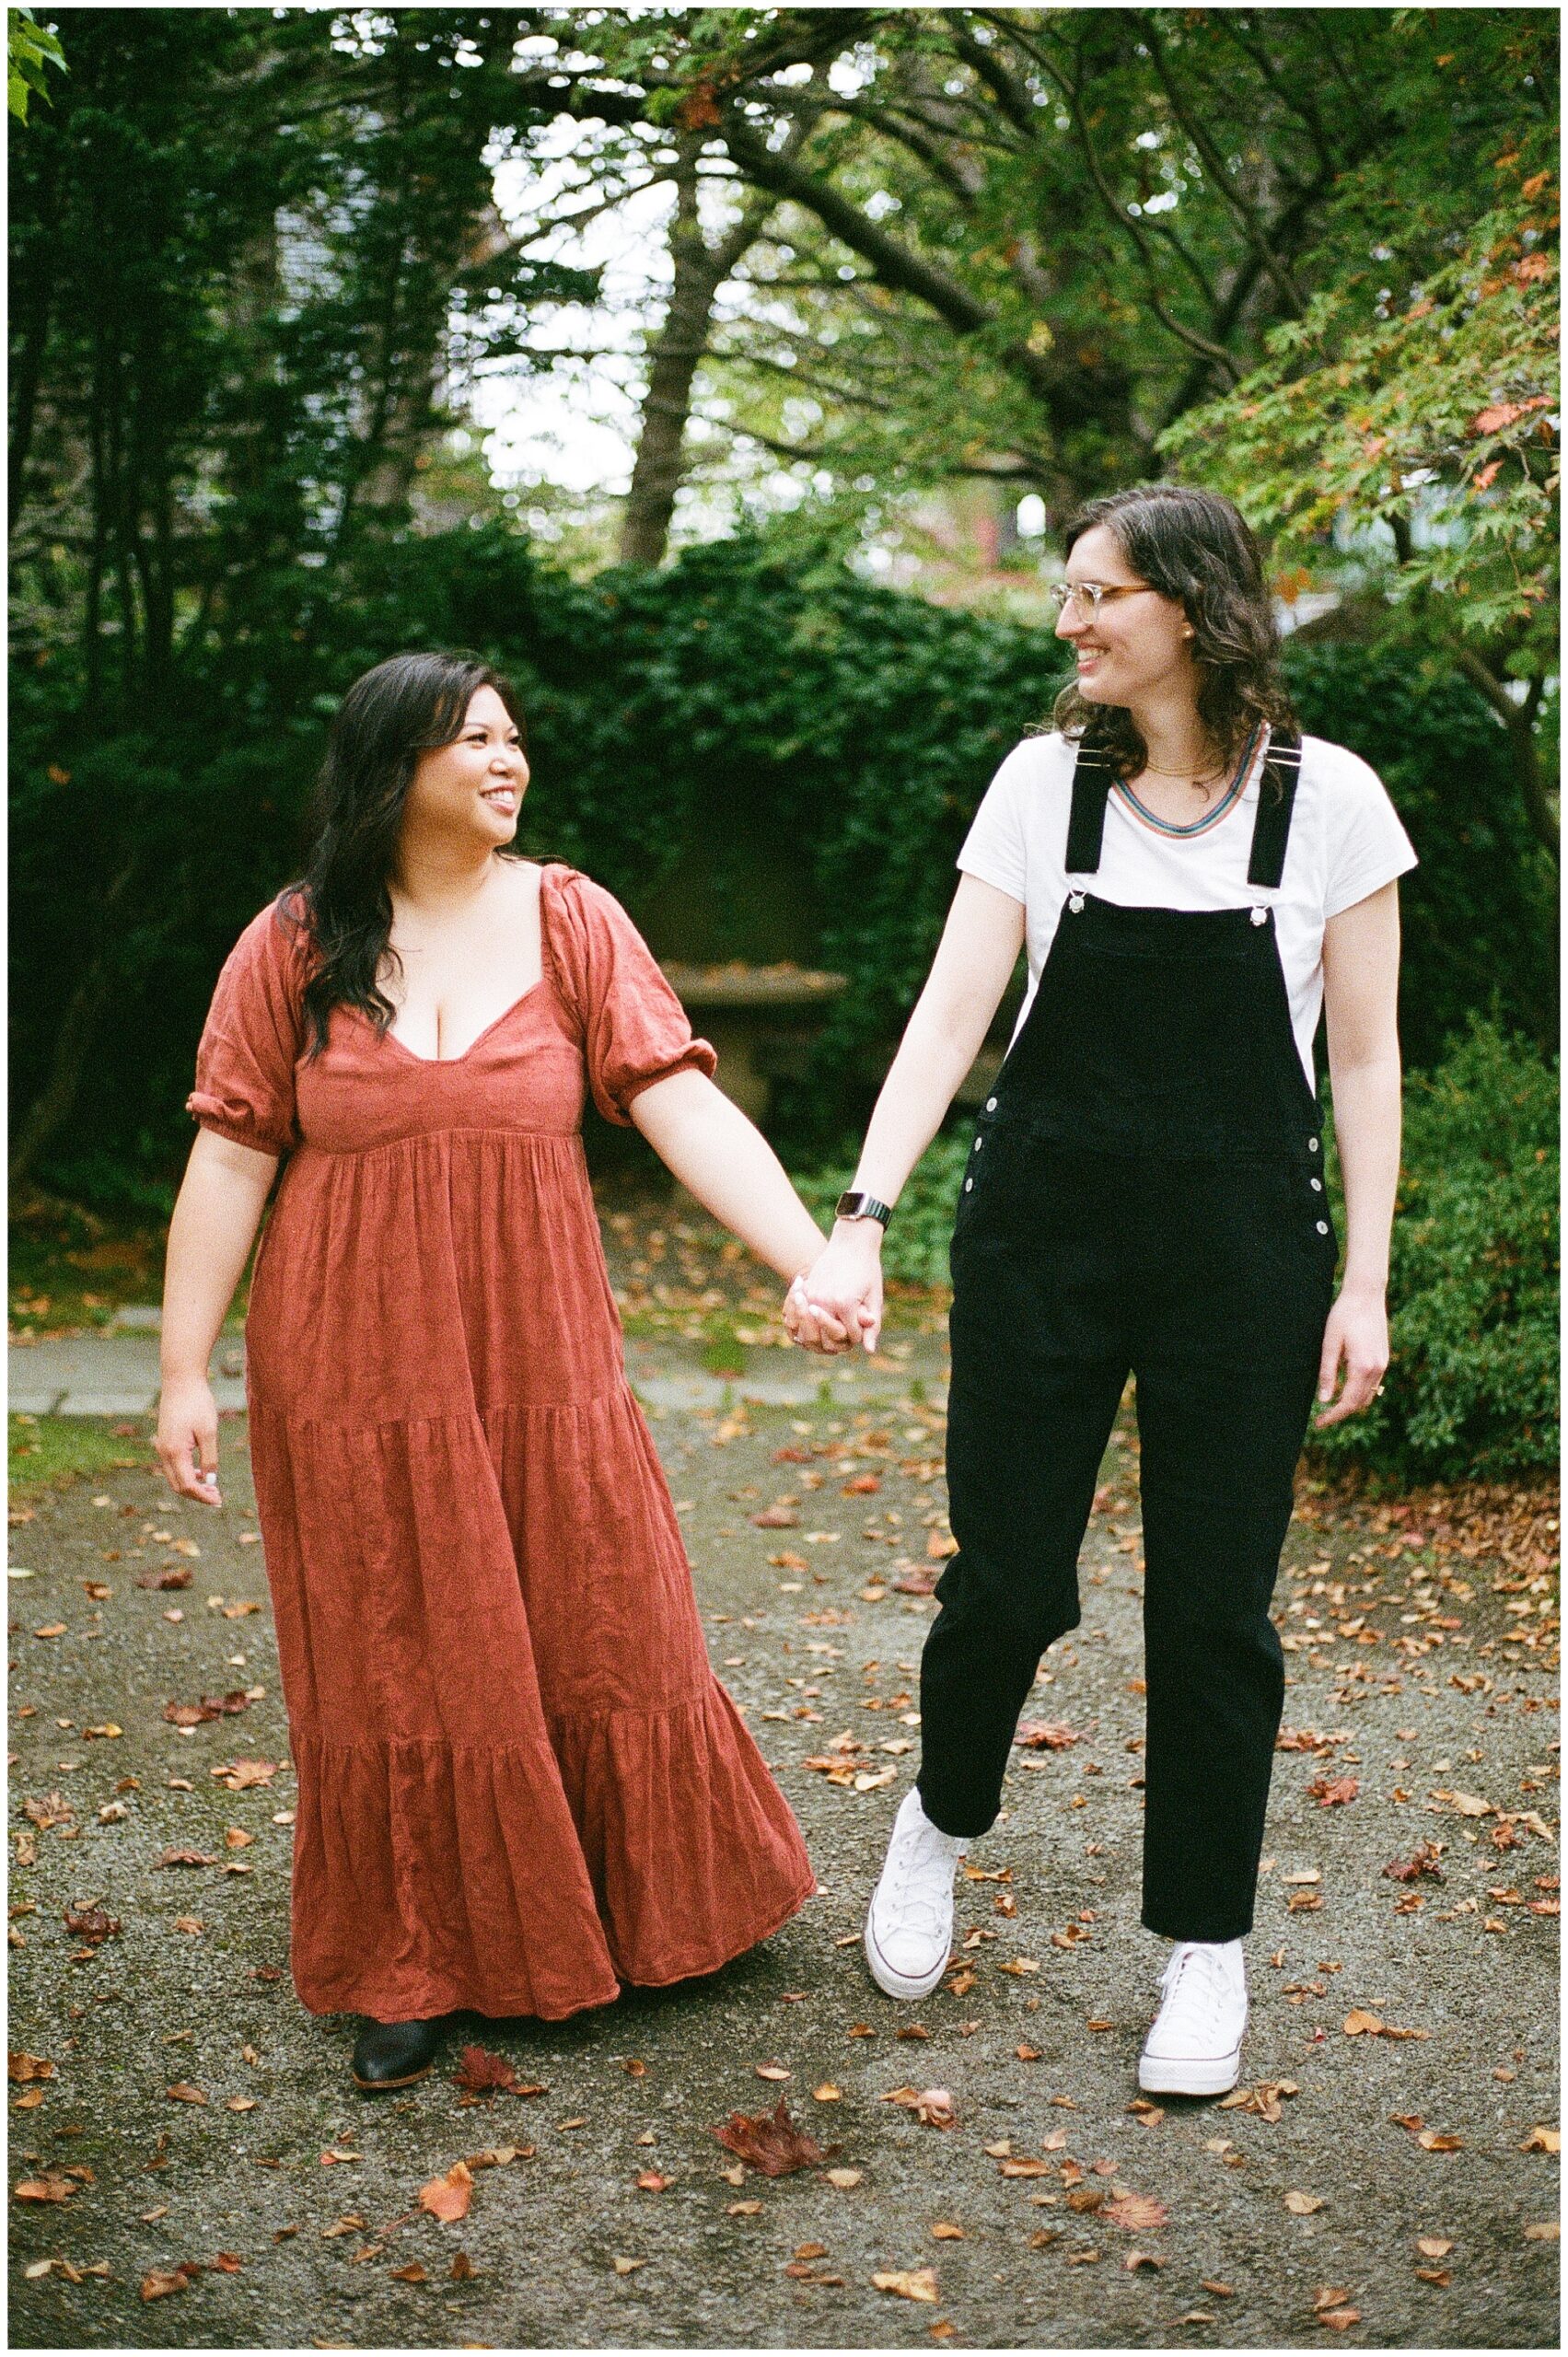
x: 1218, y: 1454
x: 1038, y: 1365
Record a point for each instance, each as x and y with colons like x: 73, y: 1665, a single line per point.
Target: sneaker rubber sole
x: 1209, y: 2074
x: 899, y: 1984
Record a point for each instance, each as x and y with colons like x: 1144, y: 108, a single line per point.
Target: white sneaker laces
x: 1200, y: 1997
x: 928, y: 1855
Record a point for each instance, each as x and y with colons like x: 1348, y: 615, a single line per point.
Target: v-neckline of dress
x: 415, y: 1057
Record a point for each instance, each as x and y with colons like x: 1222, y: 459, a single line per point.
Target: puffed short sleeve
x: 634, y: 1028
x: 251, y: 1039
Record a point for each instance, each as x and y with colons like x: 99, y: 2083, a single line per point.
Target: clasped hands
x: 837, y: 1302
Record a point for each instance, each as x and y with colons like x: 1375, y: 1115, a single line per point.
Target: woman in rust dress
x: 519, y: 1783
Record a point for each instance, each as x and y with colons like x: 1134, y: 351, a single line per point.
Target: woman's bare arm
x: 215, y: 1217
x: 1361, y: 985
x: 728, y: 1164
x: 974, y: 962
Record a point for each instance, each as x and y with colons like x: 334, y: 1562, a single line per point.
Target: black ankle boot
x: 393, y: 2054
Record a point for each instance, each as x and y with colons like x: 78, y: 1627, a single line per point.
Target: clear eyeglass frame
x: 1090, y: 596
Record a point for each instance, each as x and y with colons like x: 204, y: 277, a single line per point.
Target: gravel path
x: 1378, y: 2185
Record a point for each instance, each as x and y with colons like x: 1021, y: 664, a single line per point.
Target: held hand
x: 187, y: 1441
x: 1357, y: 1340
x: 838, y: 1301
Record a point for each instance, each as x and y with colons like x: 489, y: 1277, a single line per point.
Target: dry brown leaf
x: 448, y: 2197
x: 22, y: 2066
x: 1137, y: 2258
x: 183, y: 2091
x: 52, y: 2186
x: 1302, y: 2205
x: 771, y: 2142
x: 91, y: 1923
x: 1433, y: 2246
x: 1137, y: 2212
x: 944, y: 2231
x: 480, y: 2073
x: 775, y: 2070
x: 934, y: 2107
x: 1357, y: 2023
x: 1431, y: 2142
x: 161, y: 2280
x: 413, y: 2273
x: 842, y: 2179
x: 911, y: 2283
x: 1542, y: 2139
x: 630, y: 2265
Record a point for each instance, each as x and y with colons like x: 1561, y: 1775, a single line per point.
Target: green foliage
x: 915, y: 1251
x: 842, y: 731
x: 1479, y: 914
x: 1426, y: 424
x: 1471, y: 1390
x: 31, y: 47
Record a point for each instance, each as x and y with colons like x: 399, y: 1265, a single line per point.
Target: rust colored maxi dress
x: 519, y: 1783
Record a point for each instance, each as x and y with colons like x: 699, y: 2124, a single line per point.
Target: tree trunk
x: 700, y: 269
x: 56, y: 1101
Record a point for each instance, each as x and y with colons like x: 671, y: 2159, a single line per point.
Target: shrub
x: 915, y: 1248
x: 1471, y: 1390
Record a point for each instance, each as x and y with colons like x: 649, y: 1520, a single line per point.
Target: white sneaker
x: 908, y: 1926
x: 1194, y: 2048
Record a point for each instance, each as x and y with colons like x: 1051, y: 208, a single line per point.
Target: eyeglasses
x: 1090, y: 596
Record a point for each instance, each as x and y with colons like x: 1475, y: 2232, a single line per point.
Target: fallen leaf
x: 650, y: 2181
x: 187, y: 1858
x: 23, y: 2067
x: 50, y: 2187
x: 1433, y: 2246
x: 91, y: 1923
x: 1302, y: 2205
x: 1044, y: 1735
x: 630, y: 2265
x: 770, y: 2141
x: 842, y: 2179
x: 160, y: 2280
x: 943, y: 2232
x: 182, y: 2092
x: 1542, y: 2139
x: 772, y: 2070
x: 932, y: 2106
x: 1137, y: 2258
x: 1356, y: 2023
x: 827, y: 2092
x: 913, y: 2283
x: 448, y: 2197
x: 1431, y: 2142
x: 413, y: 2273
x: 480, y: 2073
x: 1333, y: 1792
x: 1137, y: 2212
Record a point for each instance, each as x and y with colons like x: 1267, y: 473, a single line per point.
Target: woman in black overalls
x: 1144, y: 1197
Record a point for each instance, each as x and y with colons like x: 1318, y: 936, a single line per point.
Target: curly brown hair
x: 1193, y: 547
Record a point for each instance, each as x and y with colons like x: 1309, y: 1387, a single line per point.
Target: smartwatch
x: 856, y: 1204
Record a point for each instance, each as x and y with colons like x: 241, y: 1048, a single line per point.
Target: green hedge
x: 1472, y: 1389
x: 844, y: 731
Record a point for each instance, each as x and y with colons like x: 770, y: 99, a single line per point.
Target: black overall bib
x: 1144, y: 1195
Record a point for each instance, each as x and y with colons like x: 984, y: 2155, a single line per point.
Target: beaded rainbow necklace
x: 1210, y: 818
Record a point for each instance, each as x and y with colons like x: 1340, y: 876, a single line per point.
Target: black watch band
x: 859, y: 1205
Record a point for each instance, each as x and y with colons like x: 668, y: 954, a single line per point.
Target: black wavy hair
x: 408, y: 705
x: 1196, y: 548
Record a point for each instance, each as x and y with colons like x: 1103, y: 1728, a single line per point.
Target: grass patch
x: 50, y: 1452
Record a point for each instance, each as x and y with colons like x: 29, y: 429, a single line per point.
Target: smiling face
x: 1139, y: 645
x: 475, y: 786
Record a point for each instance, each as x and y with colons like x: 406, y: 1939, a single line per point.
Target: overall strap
x: 1271, y: 830
x: 1085, y: 826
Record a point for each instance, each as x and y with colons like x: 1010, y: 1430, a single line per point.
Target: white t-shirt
x: 1345, y: 842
